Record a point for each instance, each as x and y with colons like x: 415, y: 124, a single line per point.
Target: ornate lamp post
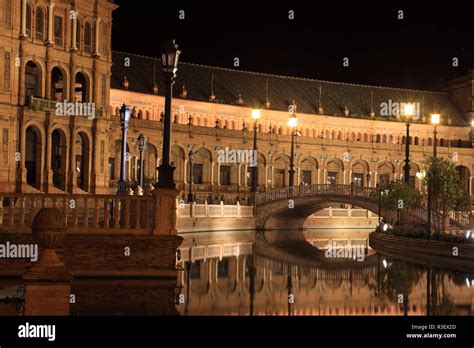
x: 169, y: 56
x: 293, y: 123
x: 255, y: 116
x: 141, y: 147
x: 408, y: 112
x: 190, y: 194
x: 435, y: 119
x: 124, y: 119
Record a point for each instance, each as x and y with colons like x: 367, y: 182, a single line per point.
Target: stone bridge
x: 289, y: 207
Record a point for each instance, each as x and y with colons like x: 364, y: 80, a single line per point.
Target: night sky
x: 416, y: 52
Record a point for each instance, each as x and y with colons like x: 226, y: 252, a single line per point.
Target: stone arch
x: 150, y: 161
x: 360, y: 170
x: 334, y: 171
x: 178, y: 160
x: 83, y: 160
x: 203, y: 161
x: 34, y: 79
x: 59, y: 154
x: 34, y: 155
x: 40, y: 23
x: 308, y: 170
x: 59, y: 84
x: 281, y: 165
x: 464, y: 177
x: 385, y: 173
x: 82, y: 87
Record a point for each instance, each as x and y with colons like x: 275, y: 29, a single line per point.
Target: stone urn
x: 49, y: 230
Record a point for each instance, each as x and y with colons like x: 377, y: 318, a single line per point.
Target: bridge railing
x: 317, y: 190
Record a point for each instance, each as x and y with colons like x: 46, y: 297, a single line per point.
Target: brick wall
x: 104, y: 255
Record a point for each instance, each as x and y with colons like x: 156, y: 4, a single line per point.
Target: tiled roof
x: 282, y: 90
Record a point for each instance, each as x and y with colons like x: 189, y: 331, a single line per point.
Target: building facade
x: 56, y: 51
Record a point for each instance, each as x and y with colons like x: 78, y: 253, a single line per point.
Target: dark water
x: 277, y: 273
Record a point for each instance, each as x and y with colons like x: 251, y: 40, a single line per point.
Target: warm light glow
x: 435, y: 118
x: 385, y: 264
x: 385, y: 227
x: 408, y: 109
x: 293, y: 122
x: 472, y: 123
x: 421, y: 175
x: 256, y: 114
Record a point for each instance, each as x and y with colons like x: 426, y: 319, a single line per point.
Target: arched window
x: 39, y: 24
x: 58, y: 86
x: 82, y: 88
x: 28, y: 19
x: 78, y: 34
x: 87, y: 37
x: 32, y: 80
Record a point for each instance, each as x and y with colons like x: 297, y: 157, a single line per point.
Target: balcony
x: 41, y: 104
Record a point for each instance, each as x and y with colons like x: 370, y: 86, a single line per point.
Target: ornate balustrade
x: 214, y: 210
x: 82, y: 213
x: 317, y: 190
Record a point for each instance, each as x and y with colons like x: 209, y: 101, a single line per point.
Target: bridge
x: 289, y: 207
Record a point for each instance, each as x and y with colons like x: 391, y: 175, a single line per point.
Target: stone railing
x: 317, y: 190
x: 81, y: 213
x: 214, y: 210
x: 343, y: 213
x: 204, y: 252
x: 36, y: 103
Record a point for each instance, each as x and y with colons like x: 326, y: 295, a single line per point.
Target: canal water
x: 315, y: 272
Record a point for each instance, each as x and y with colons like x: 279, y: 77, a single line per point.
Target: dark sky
x: 416, y: 52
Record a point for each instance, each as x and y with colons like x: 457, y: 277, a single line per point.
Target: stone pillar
x: 48, y: 173
x: 319, y: 176
x: 23, y: 19
x: 48, y: 88
x: 97, y: 37
x: 72, y: 177
x: 72, y: 82
x: 50, y: 24
x: 165, y: 212
x: 48, y: 283
x: 74, y: 31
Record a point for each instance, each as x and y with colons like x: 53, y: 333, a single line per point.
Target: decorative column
x: 48, y: 173
x: 74, y: 31
x: 50, y: 24
x: 23, y: 19
x: 72, y: 156
x: 97, y: 37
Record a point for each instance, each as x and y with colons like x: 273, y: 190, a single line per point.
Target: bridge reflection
x: 229, y: 275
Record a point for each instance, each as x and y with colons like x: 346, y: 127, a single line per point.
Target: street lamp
x: 255, y: 116
x: 408, y: 112
x: 435, y: 118
x: 190, y: 194
x: 141, y: 147
x: 124, y: 119
x: 292, y: 122
x: 169, y: 56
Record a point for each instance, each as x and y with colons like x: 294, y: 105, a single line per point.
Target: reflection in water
x: 249, y: 273
x: 240, y: 274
